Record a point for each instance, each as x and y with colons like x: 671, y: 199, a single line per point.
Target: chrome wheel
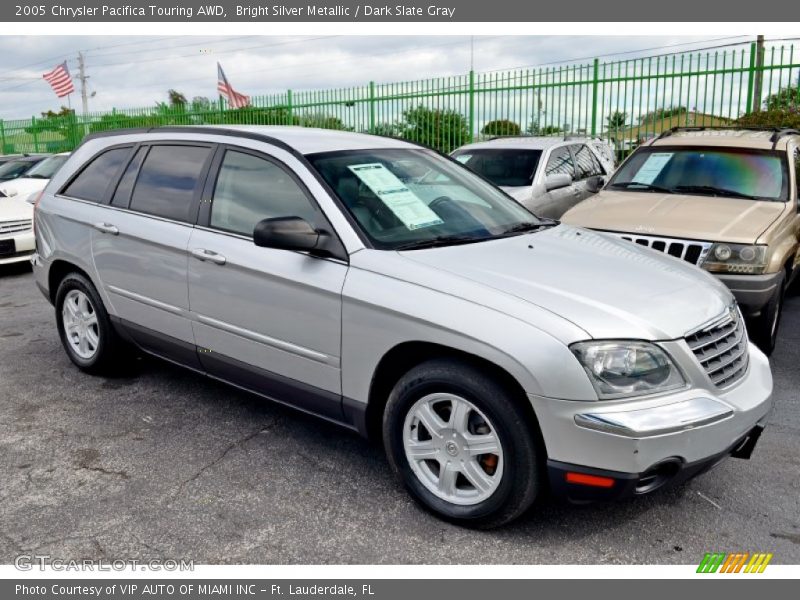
x: 453, y: 449
x: 81, y: 329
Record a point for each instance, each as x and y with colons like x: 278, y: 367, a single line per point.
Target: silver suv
x: 386, y: 288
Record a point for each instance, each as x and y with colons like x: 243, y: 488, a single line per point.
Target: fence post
x: 471, y: 105
x: 595, y: 78
x: 2, y: 137
x: 751, y: 78
x: 289, y: 110
x: 371, y: 106
x: 221, y: 110
x: 35, y: 135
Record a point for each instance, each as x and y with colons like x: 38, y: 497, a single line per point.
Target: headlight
x: 736, y: 258
x: 627, y: 368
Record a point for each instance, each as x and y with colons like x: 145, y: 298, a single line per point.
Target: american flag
x: 60, y: 80
x: 235, y: 99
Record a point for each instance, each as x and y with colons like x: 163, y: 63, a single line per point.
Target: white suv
x: 547, y: 175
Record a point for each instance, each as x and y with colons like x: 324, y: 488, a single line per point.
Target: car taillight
x: 36, y: 208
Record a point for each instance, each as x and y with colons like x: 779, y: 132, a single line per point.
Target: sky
x: 134, y: 71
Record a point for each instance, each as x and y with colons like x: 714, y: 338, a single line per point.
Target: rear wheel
x: 85, y: 329
x: 462, y: 445
x: 763, y: 329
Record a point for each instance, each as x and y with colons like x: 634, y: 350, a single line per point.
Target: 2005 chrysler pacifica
x: 387, y: 288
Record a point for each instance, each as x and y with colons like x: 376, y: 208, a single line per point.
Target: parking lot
x: 166, y: 464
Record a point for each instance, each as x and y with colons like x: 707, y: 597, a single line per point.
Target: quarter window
x: 168, y: 180
x: 560, y: 161
x: 797, y: 171
x: 93, y: 181
x: 122, y: 195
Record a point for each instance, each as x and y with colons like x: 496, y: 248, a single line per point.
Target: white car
x: 35, y: 180
x: 547, y: 175
x: 16, y: 230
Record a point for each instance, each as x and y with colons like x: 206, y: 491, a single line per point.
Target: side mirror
x: 557, y: 181
x: 595, y: 184
x: 289, y: 233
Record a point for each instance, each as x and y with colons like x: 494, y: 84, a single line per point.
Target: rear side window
x: 92, y: 182
x: 560, y: 161
x: 250, y: 189
x: 167, y: 181
x: 122, y: 195
x: 586, y: 164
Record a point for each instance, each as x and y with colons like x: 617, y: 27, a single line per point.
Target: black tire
x: 763, y: 329
x: 112, y: 355
x: 522, y: 475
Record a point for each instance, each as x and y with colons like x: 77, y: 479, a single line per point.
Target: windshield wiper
x: 35, y: 176
x: 440, y: 240
x: 530, y: 227
x: 624, y: 185
x: 716, y: 191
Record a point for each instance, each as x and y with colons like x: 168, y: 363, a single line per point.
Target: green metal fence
x: 624, y: 101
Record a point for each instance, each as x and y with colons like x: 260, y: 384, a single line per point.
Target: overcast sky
x: 137, y: 71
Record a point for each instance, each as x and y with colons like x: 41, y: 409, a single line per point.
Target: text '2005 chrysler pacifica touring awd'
x: 387, y: 288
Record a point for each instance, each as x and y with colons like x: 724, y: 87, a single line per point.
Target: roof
x: 305, y: 140
x: 523, y: 142
x: 739, y: 138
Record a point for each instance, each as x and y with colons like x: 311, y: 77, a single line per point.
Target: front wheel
x: 462, y: 444
x: 85, y: 329
x: 763, y: 329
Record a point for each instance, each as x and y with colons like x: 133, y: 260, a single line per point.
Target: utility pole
x: 759, y: 74
x: 82, y: 76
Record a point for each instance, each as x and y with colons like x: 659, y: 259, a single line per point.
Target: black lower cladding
x: 664, y: 474
x: 296, y: 394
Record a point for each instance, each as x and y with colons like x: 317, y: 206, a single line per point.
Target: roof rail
x: 778, y: 132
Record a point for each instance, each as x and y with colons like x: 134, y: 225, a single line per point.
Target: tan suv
x: 724, y: 199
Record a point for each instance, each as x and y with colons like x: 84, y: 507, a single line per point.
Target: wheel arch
x: 404, y: 356
x: 58, y: 270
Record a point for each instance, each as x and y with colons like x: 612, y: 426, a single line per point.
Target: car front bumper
x: 17, y: 247
x: 637, y: 446
x: 752, y: 292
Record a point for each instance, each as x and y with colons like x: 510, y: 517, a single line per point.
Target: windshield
x: 409, y: 198
x: 504, y: 167
x: 747, y: 174
x: 14, y: 168
x: 47, y: 168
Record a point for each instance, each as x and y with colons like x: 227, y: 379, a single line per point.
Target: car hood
x: 609, y: 288
x: 23, y: 186
x: 15, y: 209
x: 676, y: 215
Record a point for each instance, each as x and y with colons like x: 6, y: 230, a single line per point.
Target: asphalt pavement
x: 167, y: 464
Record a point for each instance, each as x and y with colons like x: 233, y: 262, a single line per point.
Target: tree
x: 176, y: 99
x: 786, y: 117
x: 535, y: 128
x: 323, y: 121
x: 501, y: 127
x: 443, y: 129
x: 201, y: 104
x: 786, y: 98
x: 616, y: 121
x: 63, y: 123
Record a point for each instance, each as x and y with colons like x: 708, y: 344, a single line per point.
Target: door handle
x: 208, y: 255
x: 106, y: 228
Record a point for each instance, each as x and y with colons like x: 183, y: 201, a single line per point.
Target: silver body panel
x: 517, y: 302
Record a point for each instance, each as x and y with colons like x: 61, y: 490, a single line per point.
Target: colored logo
x: 739, y: 562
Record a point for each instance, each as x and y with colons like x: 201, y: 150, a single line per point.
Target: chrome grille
x: 689, y: 250
x: 15, y: 226
x: 721, y: 349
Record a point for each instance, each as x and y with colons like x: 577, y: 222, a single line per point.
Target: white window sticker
x: 463, y: 158
x: 652, y: 167
x: 406, y: 206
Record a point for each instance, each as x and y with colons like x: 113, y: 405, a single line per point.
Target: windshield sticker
x: 463, y: 158
x: 406, y: 206
x: 652, y: 167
